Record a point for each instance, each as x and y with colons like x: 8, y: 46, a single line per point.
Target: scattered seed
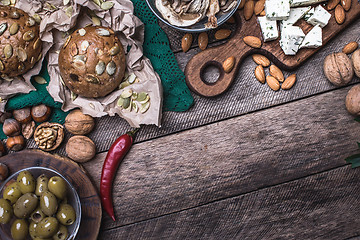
x: 145, y: 100
x: 40, y: 80
x: 144, y: 107
x: 222, y: 34
x: 66, y: 2
x: 96, y: 21
x: 37, y: 18
x: 107, y: 5
x: 126, y: 93
x: 186, y: 42
x: 203, y: 40
x: 5, y: 2
x: 135, y: 107
x: 123, y: 102
x: 131, y: 78
x: 103, y: 32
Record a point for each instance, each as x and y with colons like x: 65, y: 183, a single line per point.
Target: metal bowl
x: 72, y: 198
x: 197, y: 27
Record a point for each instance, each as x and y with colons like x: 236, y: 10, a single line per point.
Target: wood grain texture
x: 75, y: 174
x: 231, y: 157
x: 215, y: 56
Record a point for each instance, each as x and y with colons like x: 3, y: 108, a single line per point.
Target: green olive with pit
x: 41, y: 184
x: 19, y: 229
x: 57, y: 186
x: 12, y: 193
x: 62, y: 233
x: 47, y: 227
x: 32, y: 227
x: 37, y: 215
x: 25, y: 205
x: 26, y: 182
x: 66, y: 214
x: 6, y: 211
x: 48, y: 203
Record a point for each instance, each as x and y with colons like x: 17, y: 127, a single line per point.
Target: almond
x: 339, y: 14
x: 273, y: 83
x: 260, y: 73
x: 222, y: 34
x: 261, y: 60
x: 203, y: 40
x: 332, y: 4
x: 186, y: 42
x: 253, y: 41
x: 346, y: 4
x: 259, y: 7
x: 228, y: 64
x: 242, y: 4
x: 248, y: 10
x: 276, y: 73
x: 263, y: 13
x: 350, y: 47
x: 289, y: 82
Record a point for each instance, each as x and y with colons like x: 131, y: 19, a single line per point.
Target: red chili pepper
x: 116, y: 153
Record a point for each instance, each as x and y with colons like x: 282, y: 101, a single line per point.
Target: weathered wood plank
x: 323, y: 206
x: 231, y: 157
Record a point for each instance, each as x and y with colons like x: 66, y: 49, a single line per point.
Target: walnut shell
x: 80, y: 148
x: 355, y: 58
x: 78, y: 123
x: 338, y: 69
x: 353, y: 100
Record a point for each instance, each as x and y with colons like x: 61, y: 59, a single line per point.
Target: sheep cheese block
x: 302, y: 3
x: 313, y: 39
x: 319, y: 17
x: 291, y: 39
x: 268, y: 28
x: 277, y: 9
x: 295, y: 15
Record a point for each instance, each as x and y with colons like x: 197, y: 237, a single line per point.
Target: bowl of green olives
x: 39, y: 203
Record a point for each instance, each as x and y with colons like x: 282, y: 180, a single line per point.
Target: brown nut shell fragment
x: 338, y: 69
x: 48, y: 136
x: 80, y: 148
x: 78, y: 123
x: 28, y: 129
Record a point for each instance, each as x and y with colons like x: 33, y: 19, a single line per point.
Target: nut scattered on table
x: 80, y: 148
x: 252, y: 41
x: 4, y: 171
x: 22, y: 115
x: 273, y: 83
x: 261, y: 60
x: 40, y: 113
x: 259, y: 7
x: 15, y: 143
x: 340, y: 14
x: 222, y: 34
x: 350, y: 47
x: 346, y: 4
x: 28, y: 129
x: 276, y: 73
x: 260, y: 73
x: 186, y: 42
x: 11, y: 127
x: 352, y: 101
x: 249, y: 9
x: 228, y: 64
x: 48, y: 136
x: 78, y: 123
x: 289, y: 82
x: 338, y: 69
x: 355, y: 58
x: 203, y: 40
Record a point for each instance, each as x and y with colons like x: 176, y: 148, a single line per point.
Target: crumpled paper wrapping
x: 56, y: 26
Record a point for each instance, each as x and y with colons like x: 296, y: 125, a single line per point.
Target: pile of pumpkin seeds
x: 128, y: 80
x: 133, y: 101
x: 104, y: 5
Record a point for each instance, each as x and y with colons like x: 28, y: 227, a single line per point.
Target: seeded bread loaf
x: 19, y: 41
x: 92, y: 62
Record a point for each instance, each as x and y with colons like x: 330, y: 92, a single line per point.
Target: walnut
x: 355, y: 58
x: 48, y: 136
x: 80, y: 148
x: 352, y: 101
x: 338, y: 69
x: 78, y: 123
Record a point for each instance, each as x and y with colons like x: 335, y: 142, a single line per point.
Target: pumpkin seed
x: 37, y: 18
x: 97, y: 2
x: 14, y: 28
x: 124, y: 85
x: 66, y: 2
x: 3, y: 28
x: 21, y: 67
x: 135, y: 107
x: 126, y: 93
x: 107, y: 5
x: 21, y: 54
x: 12, y: 2
x: 82, y: 32
x: 49, y: 7
x: 6, y: 77
x: 134, y: 96
x: 5, y: 2
x: 73, y: 96
x: 80, y: 58
x: 132, y: 78
x: 30, y: 22
x: 100, y: 67
x: 84, y: 46
x: 74, y: 50
x: 128, y: 109
x: 39, y: 57
x: 103, y: 32
x: 79, y: 64
x: 79, y: 61
x: 2, y: 67
x: 111, y: 68
x: 92, y: 79
x: 15, y: 15
x: 114, y: 50
x: 145, y: 100
x: 40, y: 80
x: 8, y: 51
x: 142, y: 96
x: 96, y: 21
x: 29, y: 35
x: 144, y: 107
x: 123, y: 102
x: 69, y: 11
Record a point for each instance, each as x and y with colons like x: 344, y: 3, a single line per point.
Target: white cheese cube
x: 277, y: 9
x: 313, y: 39
x: 291, y: 39
x: 301, y: 3
x: 320, y: 17
x: 296, y: 14
x: 268, y: 28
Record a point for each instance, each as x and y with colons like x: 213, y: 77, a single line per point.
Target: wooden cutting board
x: 236, y: 47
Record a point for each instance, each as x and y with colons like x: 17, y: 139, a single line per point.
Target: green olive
x: 62, y: 233
x: 25, y: 205
x: 26, y: 182
x: 41, y: 184
x: 32, y: 228
x: 12, y: 193
x: 6, y: 211
x: 37, y: 215
x: 57, y: 186
x: 48, y: 203
x: 66, y: 214
x: 19, y: 229
x: 47, y: 227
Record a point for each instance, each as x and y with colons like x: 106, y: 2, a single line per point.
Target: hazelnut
x: 11, y: 127
x: 4, y: 116
x: 352, y: 101
x: 80, y: 148
x: 78, y: 123
x: 28, y: 129
x: 15, y: 143
x: 2, y: 149
x: 22, y: 115
x: 355, y: 58
x: 40, y: 113
x: 49, y: 136
x: 338, y: 69
x: 4, y: 172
